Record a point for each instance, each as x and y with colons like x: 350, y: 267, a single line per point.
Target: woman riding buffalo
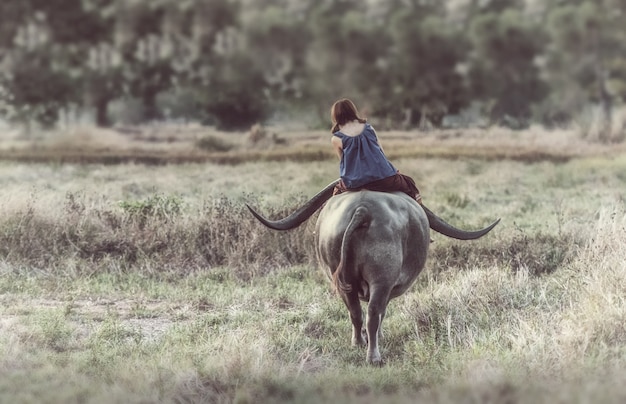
x: 363, y: 164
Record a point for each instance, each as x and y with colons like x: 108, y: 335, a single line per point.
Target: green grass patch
x: 179, y: 295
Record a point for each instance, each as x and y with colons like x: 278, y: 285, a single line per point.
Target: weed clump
x: 164, y: 207
x: 213, y: 144
x: 159, y: 233
x: 539, y: 254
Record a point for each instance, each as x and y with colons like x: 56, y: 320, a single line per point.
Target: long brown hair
x: 342, y: 112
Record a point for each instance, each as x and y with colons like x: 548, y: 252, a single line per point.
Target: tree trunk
x: 606, y: 104
x: 150, y: 111
x: 102, y: 116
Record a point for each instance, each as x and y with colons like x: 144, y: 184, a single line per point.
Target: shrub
x: 538, y: 253
x: 213, y: 143
x: 160, y: 206
x: 154, y: 234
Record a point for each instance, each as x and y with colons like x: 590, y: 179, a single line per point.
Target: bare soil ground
x: 148, y: 319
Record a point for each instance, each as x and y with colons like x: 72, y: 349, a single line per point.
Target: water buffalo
x: 372, y: 246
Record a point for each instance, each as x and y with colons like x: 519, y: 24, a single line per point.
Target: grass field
x: 135, y: 282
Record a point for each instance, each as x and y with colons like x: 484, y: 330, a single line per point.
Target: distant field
x: 131, y: 280
x: 190, y: 144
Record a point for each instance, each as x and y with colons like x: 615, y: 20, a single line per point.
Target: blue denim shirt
x: 363, y: 160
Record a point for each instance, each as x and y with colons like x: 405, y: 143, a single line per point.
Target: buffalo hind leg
x: 380, y: 326
x: 375, y: 314
x: 351, y: 299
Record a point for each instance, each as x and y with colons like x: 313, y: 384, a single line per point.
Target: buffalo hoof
x: 378, y: 362
x: 359, y: 342
x: 359, y: 339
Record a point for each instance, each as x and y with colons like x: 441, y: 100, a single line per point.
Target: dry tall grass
x: 133, y: 283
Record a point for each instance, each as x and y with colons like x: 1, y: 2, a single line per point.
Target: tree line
x: 233, y: 63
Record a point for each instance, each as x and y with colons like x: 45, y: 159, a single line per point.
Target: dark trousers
x: 398, y: 182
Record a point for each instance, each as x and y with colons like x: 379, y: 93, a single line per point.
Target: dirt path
x: 149, y: 319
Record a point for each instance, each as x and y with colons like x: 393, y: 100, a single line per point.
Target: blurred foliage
x: 233, y: 63
x: 503, y: 69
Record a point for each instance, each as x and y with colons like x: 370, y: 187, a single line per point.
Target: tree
x: 227, y: 82
x: 146, y: 66
x: 424, y: 80
x: 235, y: 99
x: 34, y: 74
x: 277, y: 39
x: 30, y: 86
x: 503, y: 70
x: 331, y: 59
x: 233, y: 63
x: 585, y: 62
x: 101, y: 65
x: 55, y: 57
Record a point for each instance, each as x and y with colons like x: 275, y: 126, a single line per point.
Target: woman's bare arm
x: 337, y: 146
